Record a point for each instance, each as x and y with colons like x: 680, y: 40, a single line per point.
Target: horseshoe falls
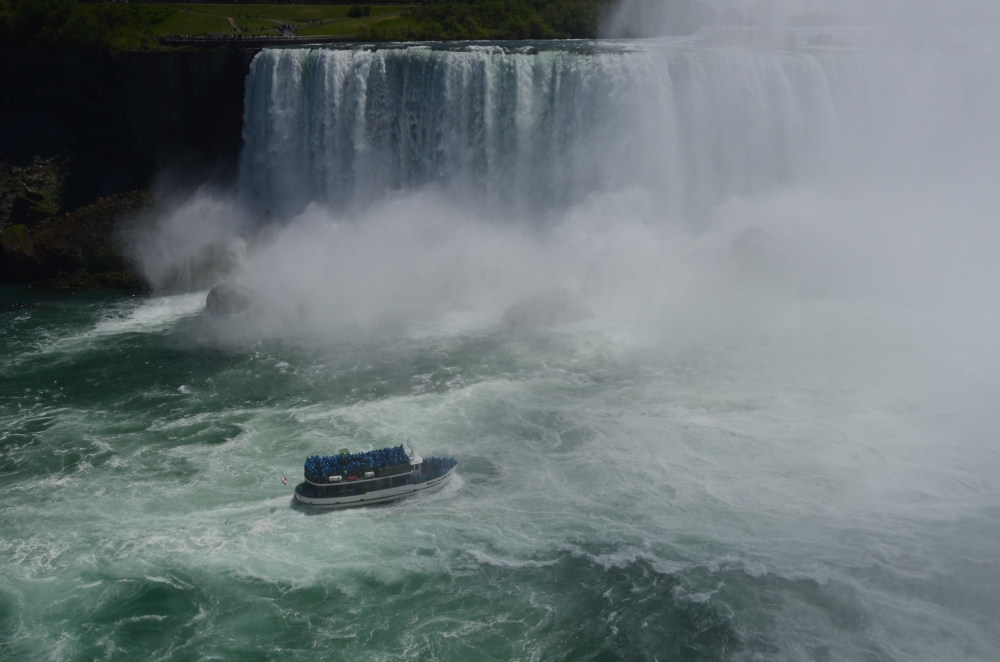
x: 773, y: 436
x: 521, y: 133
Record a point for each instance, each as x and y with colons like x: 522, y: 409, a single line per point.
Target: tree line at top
x: 120, y: 26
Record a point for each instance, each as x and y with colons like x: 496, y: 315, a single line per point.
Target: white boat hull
x: 378, y: 496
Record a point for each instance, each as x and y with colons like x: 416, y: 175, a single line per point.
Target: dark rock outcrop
x: 31, y: 193
x: 553, y: 309
x: 25, y: 211
x: 122, y: 118
x: 80, y: 130
x: 81, y: 249
x: 229, y: 300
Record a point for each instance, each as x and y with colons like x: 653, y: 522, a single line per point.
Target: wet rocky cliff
x: 123, y: 117
x: 78, y: 128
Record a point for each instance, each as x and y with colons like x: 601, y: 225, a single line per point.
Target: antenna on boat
x: 411, y: 447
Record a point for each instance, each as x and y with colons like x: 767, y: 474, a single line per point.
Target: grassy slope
x: 185, y: 23
x: 379, y: 16
x: 112, y: 27
x: 264, y: 19
x: 493, y: 19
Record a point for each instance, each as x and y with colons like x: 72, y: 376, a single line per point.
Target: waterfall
x: 521, y: 133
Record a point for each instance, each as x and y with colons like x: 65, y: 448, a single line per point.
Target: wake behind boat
x: 360, y: 479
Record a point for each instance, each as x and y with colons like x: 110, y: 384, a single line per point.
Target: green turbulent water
x: 820, y: 486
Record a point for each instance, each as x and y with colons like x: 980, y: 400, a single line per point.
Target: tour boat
x: 361, y: 479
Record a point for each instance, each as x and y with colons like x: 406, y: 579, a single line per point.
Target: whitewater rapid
x: 820, y: 486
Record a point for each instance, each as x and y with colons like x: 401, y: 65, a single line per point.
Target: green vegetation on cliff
x: 82, y: 249
x: 433, y: 20
x: 30, y: 193
x: 493, y: 19
x: 259, y: 19
x: 78, y: 25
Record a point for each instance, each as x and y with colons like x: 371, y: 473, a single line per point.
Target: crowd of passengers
x: 433, y: 467
x: 354, y: 464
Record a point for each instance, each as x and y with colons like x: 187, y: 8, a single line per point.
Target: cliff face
x: 123, y: 118
x: 83, y: 248
x: 83, y: 135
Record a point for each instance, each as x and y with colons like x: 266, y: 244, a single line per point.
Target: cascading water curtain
x: 519, y: 134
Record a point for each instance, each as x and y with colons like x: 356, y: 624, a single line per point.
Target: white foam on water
x: 454, y: 324
x: 151, y: 314
x: 140, y: 315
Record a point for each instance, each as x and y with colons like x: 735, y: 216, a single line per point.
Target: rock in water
x: 543, y: 311
x: 229, y: 300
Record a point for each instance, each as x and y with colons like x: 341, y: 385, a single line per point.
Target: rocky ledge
x: 82, y: 249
